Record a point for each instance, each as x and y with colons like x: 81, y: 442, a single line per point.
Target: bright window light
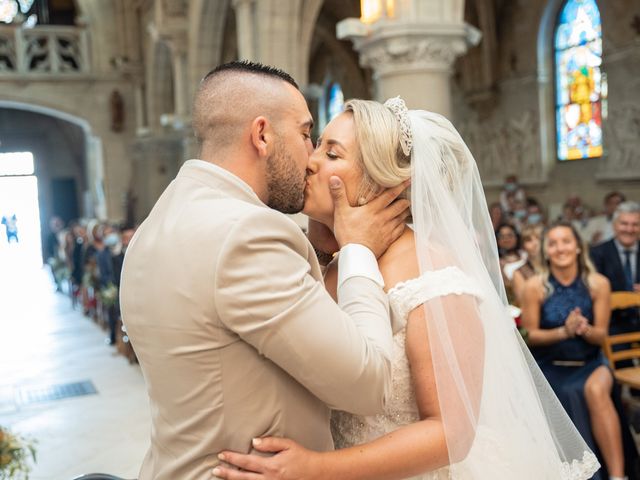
x: 16, y: 163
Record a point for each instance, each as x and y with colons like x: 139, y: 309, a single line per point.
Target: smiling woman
x: 566, y: 312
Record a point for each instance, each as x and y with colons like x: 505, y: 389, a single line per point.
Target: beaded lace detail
x: 349, y: 430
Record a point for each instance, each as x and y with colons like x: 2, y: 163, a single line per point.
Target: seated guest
x: 511, y: 257
x: 511, y: 193
x: 497, y: 215
x: 566, y: 313
x: 535, y: 215
x: 599, y: 229
x: 530, y: 238
x: 618, y: 260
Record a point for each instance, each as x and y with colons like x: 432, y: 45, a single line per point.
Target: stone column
x: 245, y: 13
x: 178, y: 46
x: 277, y: 32
x: 412, y: 52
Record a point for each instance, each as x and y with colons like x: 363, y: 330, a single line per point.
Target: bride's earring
x: 362, y: 201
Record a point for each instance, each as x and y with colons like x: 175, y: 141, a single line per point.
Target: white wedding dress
x: 488, y: 452
x: 349, y: 430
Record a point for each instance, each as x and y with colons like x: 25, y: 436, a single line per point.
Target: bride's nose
x: 313, y: 163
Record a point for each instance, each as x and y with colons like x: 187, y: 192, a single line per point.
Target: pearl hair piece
x: 399, y: 109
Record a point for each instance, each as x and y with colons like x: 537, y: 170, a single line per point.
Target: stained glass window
x: 578, y: 57
x: 336, y: 101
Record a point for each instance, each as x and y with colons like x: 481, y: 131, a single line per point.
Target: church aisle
x: 45, y: 345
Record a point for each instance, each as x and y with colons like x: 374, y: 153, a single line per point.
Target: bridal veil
x: 501, y: 418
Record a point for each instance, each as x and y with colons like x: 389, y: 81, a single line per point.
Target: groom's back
x: 209, y: 390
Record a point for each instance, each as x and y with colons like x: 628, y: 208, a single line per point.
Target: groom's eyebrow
x: 308, y: 124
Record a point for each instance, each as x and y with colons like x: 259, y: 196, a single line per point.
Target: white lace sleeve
x: 405, y: 296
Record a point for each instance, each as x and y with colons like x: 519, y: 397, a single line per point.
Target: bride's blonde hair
x: 382, y: 162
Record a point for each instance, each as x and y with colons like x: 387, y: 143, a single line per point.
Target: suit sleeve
x: 266, y: 294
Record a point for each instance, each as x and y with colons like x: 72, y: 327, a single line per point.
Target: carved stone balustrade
x: 44, y: 51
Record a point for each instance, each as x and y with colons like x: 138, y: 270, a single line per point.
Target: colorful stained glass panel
x: 578, y: 57
x: 336, y: 101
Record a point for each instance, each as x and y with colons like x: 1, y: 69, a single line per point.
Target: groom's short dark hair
x: 252, y: 67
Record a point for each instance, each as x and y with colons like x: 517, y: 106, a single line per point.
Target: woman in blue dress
x: 566, y: 311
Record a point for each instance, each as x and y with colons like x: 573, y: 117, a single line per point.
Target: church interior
x: 95, y: 122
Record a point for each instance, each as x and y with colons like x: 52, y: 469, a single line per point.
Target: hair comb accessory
x: 399, y: 109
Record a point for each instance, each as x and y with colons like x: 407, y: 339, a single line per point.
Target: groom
x: 223, y: 297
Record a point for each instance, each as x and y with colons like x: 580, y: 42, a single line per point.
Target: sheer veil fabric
x: 501, y: 418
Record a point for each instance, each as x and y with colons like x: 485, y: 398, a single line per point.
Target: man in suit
x: 619, y: 261
x: 223, y: 297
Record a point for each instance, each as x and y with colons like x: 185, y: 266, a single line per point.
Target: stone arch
x: 52, y: 112
x: 88, y: 164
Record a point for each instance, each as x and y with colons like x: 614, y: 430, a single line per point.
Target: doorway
x: 20, y: 240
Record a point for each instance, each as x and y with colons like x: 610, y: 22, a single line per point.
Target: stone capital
x: 398, y: 47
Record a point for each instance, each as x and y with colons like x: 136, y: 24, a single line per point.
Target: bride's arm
x: 409, y: 450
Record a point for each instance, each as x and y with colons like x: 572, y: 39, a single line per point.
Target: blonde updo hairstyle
x: 382, y: 162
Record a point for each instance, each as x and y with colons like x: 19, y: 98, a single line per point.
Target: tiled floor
x: 43, y: 341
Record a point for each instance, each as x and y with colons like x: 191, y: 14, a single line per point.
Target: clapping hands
x: 576, y: 323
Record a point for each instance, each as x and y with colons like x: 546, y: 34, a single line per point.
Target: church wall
x: 504, y: 133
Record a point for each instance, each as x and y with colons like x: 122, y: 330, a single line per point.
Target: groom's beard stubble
x: 285, y: 182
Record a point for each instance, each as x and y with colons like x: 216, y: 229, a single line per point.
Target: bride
x: 468, y: 401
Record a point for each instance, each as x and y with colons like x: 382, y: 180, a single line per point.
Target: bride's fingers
x: 230, y: 474
x: 271, y: 444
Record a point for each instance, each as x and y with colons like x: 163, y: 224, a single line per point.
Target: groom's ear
x: 261, y: 136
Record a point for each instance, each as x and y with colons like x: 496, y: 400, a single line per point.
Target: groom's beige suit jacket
x: 236, y: 336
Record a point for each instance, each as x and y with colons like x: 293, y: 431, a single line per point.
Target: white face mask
x: 112, y: 239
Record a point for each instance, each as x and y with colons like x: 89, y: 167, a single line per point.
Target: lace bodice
x: 401, y: 409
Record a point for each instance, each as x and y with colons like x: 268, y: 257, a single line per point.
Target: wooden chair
x: 627, y: 376
x: 622, y: 300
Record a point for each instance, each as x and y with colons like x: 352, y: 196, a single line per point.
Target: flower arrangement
x: 109, y: 295
x: 16, y: 453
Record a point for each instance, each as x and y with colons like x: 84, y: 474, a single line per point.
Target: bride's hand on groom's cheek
x: 289, y: 462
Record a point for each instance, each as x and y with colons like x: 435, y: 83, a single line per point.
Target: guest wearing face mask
x: 511, y: 194
x: 535, y: 215
x: 519, y: 214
